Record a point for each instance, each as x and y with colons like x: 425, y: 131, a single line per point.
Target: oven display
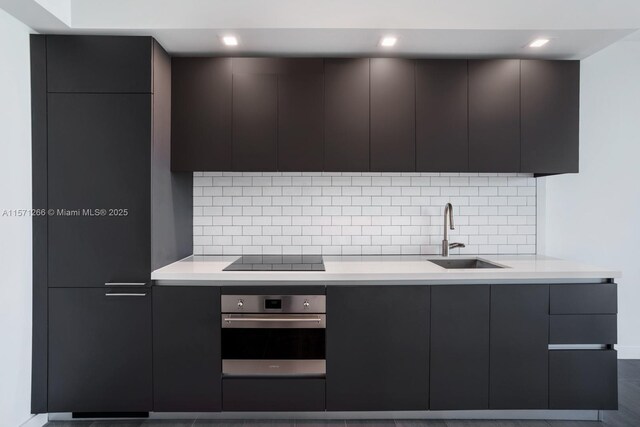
x: 273, y: 304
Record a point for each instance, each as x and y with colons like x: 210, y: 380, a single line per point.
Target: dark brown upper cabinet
x: 201, y: 114
x: 380, y: 114
x: 393, y: 120
x: 442, y: 143
x: 277, y: 114
x: 300, y: 119
x: 277, y: 66
x: 346, y: 115
x: 113, y: 64
x: 255, y: 127
x: 550, y: 92
x: 494, y: 115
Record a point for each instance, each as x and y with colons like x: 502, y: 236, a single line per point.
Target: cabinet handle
x: 119, y: 294
x: 578, y: 347
x: 271, y: 319
x: 124, y: 284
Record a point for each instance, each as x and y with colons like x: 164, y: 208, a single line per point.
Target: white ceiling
x: 437, y: 28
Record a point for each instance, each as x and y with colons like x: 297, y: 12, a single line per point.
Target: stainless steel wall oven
x: 273, y: 335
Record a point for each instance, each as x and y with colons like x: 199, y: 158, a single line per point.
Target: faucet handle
x: 456, y: 245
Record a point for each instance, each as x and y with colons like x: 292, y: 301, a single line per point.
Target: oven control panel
x: 273, y: 303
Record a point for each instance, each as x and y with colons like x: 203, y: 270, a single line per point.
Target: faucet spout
x: 449, y: 208
x: 448, y: 216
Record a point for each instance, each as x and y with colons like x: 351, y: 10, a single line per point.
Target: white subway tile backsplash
x: 361, y: 213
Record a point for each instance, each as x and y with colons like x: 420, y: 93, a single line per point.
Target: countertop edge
x: 358, y: 277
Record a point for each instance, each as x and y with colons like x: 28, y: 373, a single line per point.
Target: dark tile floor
x: 628, y: 415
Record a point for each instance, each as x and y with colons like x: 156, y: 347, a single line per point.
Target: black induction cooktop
x: 277, y: 263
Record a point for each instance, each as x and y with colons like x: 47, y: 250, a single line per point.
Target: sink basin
x: 464, y: 263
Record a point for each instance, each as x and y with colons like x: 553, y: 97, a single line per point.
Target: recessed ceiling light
x: 230, y: 41
x: 538, y: 42
x: 388, y: 41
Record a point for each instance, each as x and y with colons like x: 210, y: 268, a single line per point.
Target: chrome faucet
x: 448, y: 216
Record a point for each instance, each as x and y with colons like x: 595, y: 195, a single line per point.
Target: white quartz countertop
x: 388, y: 268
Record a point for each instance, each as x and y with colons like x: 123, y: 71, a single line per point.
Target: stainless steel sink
x: 464, y: 263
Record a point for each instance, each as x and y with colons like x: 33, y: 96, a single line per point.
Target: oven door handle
x: 271, y: 319
x: 275, y: 322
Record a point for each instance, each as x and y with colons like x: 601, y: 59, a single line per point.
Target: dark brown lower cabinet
x: 186, y: 349
x: 518, y: 372
x: 583, y: 379
x: 100, y: 350
x: 583, y: 329
x: 594, y: 298
x: 459, y: 371
x: 377, y: 348
x: 273, y: 394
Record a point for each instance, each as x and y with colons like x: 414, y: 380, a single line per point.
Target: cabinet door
x: 201, y: 114
x: 459, y: 347
x: 300, y: 122
x: 393, y: 121
x: 442, y: 143
x: 494, y: 115
x: 108, y: 64
x: 99, y: 350
x: 99, y: 151
x: 519, y: 367
x: 255, y: 122
x: 186, y: 349
x: 346, y: 115
x: 583, y: 379
x: 550, y: 93
x: 273, y: 394
x: 377, y: 348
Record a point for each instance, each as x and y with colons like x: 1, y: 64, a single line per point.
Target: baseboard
x: 488, y: 414
x: 36, y: 421
x: 628, y: 351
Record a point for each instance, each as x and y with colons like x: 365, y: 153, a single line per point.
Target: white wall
x: 594, y: 216
x: 15, y: 233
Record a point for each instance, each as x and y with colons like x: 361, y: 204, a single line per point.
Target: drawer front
x: 273, y: 394
x: 583, y: 379
x: 583, y: 329
x: 601, y: 298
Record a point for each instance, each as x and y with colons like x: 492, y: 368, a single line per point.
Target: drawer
x: 601, y: 298
x: 583, y: 379
x: 583, y: 329
x: 273, y: 394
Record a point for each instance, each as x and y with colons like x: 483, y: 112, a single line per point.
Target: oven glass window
x: 239, y: 343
